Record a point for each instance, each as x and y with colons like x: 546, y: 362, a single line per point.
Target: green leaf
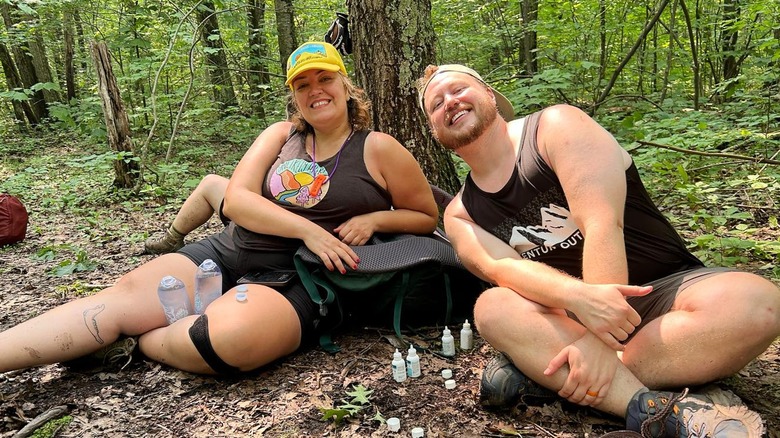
x: 361, y: 394
x: 45, y: 86
x: 15, y: 95
x: 337, y: 415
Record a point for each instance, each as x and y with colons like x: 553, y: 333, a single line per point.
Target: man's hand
x: 592, y: 366
x: 604, y: 311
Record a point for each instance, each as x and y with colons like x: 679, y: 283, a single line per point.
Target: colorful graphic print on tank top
x: 294, y: 183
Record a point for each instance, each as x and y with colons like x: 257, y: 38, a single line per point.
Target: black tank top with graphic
x: 531, y: 214
x: 328, y: 192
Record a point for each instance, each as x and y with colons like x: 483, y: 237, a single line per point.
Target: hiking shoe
x: 504, y: 385
x: 714, y: 413
x: 116, y: 355
x: 170, y: 242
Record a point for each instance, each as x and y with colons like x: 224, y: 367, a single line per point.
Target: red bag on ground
x: 13, y: 220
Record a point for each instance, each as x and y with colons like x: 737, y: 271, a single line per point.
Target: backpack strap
x: 313, y: 285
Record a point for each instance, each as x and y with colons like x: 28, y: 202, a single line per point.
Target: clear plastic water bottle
x: 173, y: 298
x: 208, y: 285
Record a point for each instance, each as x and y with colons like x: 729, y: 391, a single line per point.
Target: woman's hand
x: 357, y: 230
x: 334, y: 253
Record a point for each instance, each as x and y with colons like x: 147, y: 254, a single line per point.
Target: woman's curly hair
x: 358, y: 108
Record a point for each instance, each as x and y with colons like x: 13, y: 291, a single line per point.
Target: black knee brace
x: 199, y: 333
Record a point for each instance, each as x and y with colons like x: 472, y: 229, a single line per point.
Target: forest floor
x: 282, y: 400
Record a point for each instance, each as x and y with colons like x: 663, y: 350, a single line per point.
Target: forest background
x: 690, y: 88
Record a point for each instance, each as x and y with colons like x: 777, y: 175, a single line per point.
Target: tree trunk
x: 530, y: 13
x: 285, y: 28
x: 40, y: 62
x: 221, y: 83
x: 258, y: 50
x: 117, y: 122
x: 68, y: 46
x: 26, y: 70
x: 697, y: 87
x: 670, y: 53
x: 393, y: 42
x: 22, y: 110
x: 728, y: 41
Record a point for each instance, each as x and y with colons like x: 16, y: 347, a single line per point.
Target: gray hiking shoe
x: 714, y: 413
x: 503, y: 385
x: 170, y: 242
x: 116, y: 355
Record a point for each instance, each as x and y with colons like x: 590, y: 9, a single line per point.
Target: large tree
x: 221, y: 83
x: 393, y: 42
x: 285, y: 29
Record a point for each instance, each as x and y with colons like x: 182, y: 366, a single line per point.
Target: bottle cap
x: 412, y: 351
x: 241, y: 296
x: 242, y: 288
x: 418, y: 432
x: 393, y: 424
x: 397, y: 354
x: 446, y: 373
x: 466, y: 325
x: 449, y: 384
x: 446, y: 331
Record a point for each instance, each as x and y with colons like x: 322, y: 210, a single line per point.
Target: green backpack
x: 409, y: 279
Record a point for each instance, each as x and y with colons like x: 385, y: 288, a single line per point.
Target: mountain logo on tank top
x: 557, y: 230
x: 293, y: 183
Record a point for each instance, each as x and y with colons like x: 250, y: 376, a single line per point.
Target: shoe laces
x: 661, y: 414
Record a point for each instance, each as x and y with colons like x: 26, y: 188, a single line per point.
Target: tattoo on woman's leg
x: 90, y: 320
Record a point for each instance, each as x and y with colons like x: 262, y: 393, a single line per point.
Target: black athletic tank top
x: 531, y: 214
x: 328, y: 192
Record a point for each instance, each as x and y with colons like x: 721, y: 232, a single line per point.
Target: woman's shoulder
x: 381, y: 142
x: 285, y: 127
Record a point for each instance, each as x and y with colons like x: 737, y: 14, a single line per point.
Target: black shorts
x: 235, y: 263
x: 665, y: 291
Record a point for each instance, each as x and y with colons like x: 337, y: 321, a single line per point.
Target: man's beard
x: 455, y: 140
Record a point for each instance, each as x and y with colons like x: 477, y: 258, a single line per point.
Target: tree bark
x: 258, y: 50
x: 530, y: 13
x: 26, y: 70
x: 221, y: 83
x: 393, y: 42
x: 697, y: 87
x: 68, y: 48
x: 40, y: 62
x: 22, y: 110
x: 117, y: 122
x: 728, y: 41
x: 285, y: 29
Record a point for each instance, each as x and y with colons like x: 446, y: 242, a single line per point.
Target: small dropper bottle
x: 399, y: 367
x: 447, y: 343
x: 466, y: 336
x: 412, y: 363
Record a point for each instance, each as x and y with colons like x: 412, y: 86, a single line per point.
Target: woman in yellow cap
x: 324, y: 180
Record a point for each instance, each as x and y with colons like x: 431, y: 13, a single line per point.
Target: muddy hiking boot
x: 503, y: 385
x: 115, y: 356
x: 714, y: 413
x: 172, y: 241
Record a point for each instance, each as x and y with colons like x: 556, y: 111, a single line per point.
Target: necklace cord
x: 320, y: 179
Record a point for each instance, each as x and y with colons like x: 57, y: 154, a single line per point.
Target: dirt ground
x: 284, y: 399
